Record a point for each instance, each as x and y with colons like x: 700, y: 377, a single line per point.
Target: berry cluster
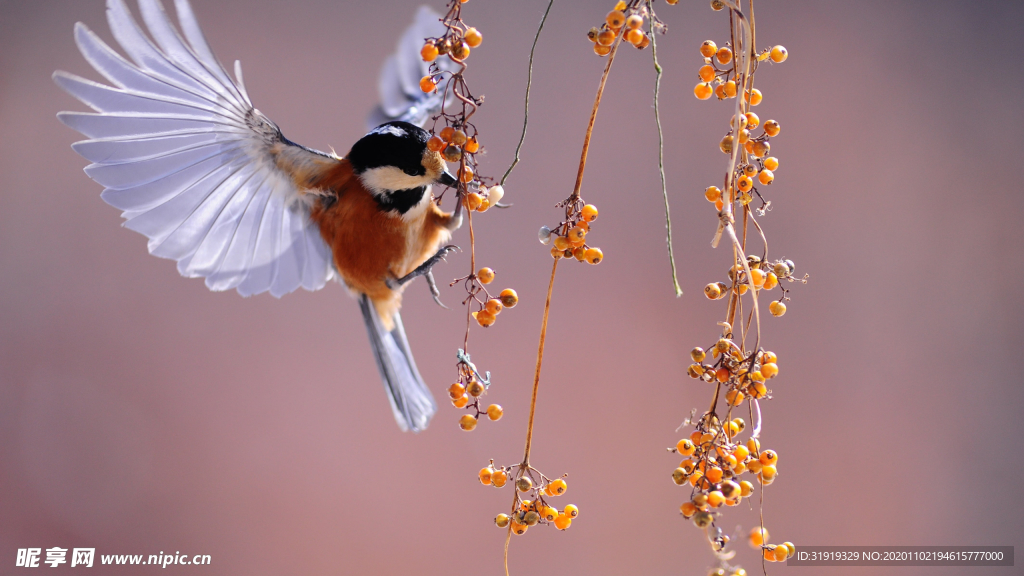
x: 764, y: 275
x: 627, y: 20
x: 458, y: 141
x: 571, y: 235
x: 723, y: 79
x: 530, y: 512
x: 758, y: 540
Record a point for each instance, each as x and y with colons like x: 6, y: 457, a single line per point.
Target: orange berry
x: 744, y: 136
x: 550, y: 514
x: 601, y: 49
x: 726, y: 144
x: 712, y: 193
x: 466, y: 174
x: 606, y: 38
x: 752, y: 120
x: 428, y: 52
x: 715, y: 499
x: 714, y: 474
x: 485, y: 475
x: 499, y: 478
x: 771, y: 163
x: 779, y: 54
x: 435, y: 144
x: 777, y: 309
x: 456, y: 390
x: 768, y: 554
x: 765, y: 177
x: 484, y: 318
x: 645, y: 42
x: 712, y: 291
x: 518, y: 528
x: 562, y: 522
x: 707, y: 73
x: 781, y: 553
x: 461, y: 401
x: 446, y: 133
x: 561, y: 242
x: 720, y: 92
x: 494, y: 412
x: 615, y: 19
x: 501, y: 520
x: 769, y: 457
x: 734, y: 397
x: 589, y: 213
x: 459, y: 51
x: 473, y: 37
x: 771, y: 281
x: 475, y: 389
x: 685, y: 447
x: 719, y: 205
x: 493, y: 306
x: 772, y: 128
x: 427, y: 84
x: 485, y: 275
x: 754, y: 97
x: 730, y: 89
x: 473, y: 200
x: 702, y: 91
x: 758, y: 536
x: 708, y: 48
x: 635, y: 21
x: 557, y: 487
x: 471, y: 145
x: 635, y: 37
x: 467, y: 422
x: 594, y: 255
x: 572, y: 511
x: 724, y: 55
x: 757, y: 277
x: 745, y: 184
x: 576, y: 235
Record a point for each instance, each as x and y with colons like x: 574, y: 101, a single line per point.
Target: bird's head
x: 393, y: 161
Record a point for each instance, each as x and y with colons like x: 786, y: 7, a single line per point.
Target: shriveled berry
x: 475, y: 388
x: 712, y: 291
x: 460, y: 51
x: 459, y: 138
x: 452, y: 154
x: 702, y: 519
x: 726, y: 144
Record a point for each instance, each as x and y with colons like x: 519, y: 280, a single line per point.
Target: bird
x: 215, y: 185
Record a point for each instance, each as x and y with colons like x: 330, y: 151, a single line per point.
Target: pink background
x: 141, y: 413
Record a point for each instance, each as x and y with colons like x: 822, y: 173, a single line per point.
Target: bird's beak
x: 447, y: 179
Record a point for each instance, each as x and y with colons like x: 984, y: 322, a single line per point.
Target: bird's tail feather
x: 410, y: 398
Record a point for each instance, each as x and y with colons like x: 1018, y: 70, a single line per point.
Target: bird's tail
x: 410, y: 398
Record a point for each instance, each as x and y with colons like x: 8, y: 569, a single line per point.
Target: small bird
x: 215, y: 185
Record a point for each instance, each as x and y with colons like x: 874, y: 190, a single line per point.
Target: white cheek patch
x: 384, y: 179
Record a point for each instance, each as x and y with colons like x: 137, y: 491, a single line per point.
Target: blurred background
x: 141, y: 413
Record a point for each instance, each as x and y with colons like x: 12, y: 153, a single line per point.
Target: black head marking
x: 400, y: 200
x: 397, y: 144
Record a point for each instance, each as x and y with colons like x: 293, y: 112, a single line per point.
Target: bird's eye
x: 415, y: 171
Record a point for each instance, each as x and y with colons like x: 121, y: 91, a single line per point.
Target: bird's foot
x: 424, y: 270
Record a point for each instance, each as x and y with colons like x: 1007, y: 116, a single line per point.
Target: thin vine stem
x: 661, y: 156
x: 529, y: 82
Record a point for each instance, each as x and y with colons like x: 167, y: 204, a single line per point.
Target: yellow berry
x: 509, y: 298
x: 697, y: 354
x: 712, y: 193
x: 777, y: 308
x: 484, y: 318
x: 601, y: 49
x: 467, y: 422
x: 473, y: 200
x: 779, y: 54
x: 635, y: 37
x: 724, y: 55
x: 518, y: 528
x: 746, y: 488
x: 461, y: 401
x: 754, y: 97
x: 752, y: 120
x: 557, y: 487
x: 589, y: 213
x: 485, y: 275
x: 556, y: 253
x: 707, y: 73
x: 772, y: 128
x: 769, y: 370
x: 726, y: 144
x: 702, y: 91
x: 576, y: 235
x: 730, y: 89
x: 606, y: 38
x: 712, y: 291
x: 781, y: 553
x: 563, y: 521
x: 791, y: 547
x: 771, y: 163
x: 426, y: 84
x: 594, y: 255
x: 499, y: 478
x: 494, y: 412
x: 708, y: 48
x: 501, y: 520
x: 473, y: 37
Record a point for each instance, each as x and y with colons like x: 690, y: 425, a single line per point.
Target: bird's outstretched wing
x: 399, y: 84
x: 195, y: 167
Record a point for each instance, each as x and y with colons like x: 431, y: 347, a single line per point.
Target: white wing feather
x: 180, y: 149
x: 399, y: 82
